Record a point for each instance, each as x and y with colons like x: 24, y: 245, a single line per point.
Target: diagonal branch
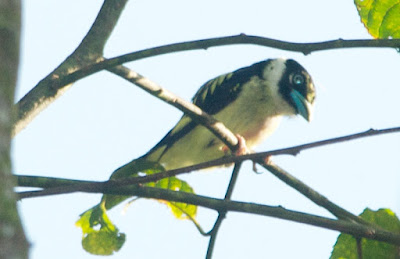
x: 311, y: 194
x: 87, y: 53
x: 59, y: 186
x: 216, y: 127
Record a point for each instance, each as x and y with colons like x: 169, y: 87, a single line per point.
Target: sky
x: 102, y: 122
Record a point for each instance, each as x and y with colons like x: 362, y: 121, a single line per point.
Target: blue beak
x: 304, y: 108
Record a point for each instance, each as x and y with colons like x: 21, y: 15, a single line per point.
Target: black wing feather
x: 217, y: 93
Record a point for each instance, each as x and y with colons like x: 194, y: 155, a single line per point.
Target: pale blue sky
x: 102, y: 122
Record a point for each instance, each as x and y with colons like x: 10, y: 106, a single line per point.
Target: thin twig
x: 222, y: 213
x: 55, y: 83
x: 62, y: 186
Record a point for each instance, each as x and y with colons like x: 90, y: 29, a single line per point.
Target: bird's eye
x: 298, y: 79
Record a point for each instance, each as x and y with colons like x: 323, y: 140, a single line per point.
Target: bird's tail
x: 137, y: 167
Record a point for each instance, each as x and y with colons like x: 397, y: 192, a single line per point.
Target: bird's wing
x: 212, y: 97
x: 219, y: 92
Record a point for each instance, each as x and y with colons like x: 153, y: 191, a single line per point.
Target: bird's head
x: 296, y: 87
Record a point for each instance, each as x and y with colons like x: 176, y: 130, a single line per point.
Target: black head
x: 297, y: 88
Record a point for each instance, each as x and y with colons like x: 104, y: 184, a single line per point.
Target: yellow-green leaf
x: 179, y: 209
x: 380, y: 17
x: 346, y: 246
x: 99, y: 235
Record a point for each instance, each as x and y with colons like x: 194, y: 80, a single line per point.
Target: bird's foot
x: 240, y: 148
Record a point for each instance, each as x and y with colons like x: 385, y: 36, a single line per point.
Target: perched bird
x: 249, y: 101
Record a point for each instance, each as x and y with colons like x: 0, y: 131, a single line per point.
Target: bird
x: 250, y: 101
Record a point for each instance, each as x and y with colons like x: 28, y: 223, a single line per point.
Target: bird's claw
x: 267, y: 160
x: 240, y: 148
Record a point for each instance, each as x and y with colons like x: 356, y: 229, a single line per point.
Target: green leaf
x: 346, y: 246
x: 380, y: 17
x: 100, y: 236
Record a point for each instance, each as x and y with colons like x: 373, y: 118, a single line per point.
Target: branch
x: 58, y: 81
x: 87, y: 53
x: 297, y: 149
x: 305, y: 48
x: 252, y: 208
x: 64, y: 186
x: 60, y: 186
x: 243, y: 39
